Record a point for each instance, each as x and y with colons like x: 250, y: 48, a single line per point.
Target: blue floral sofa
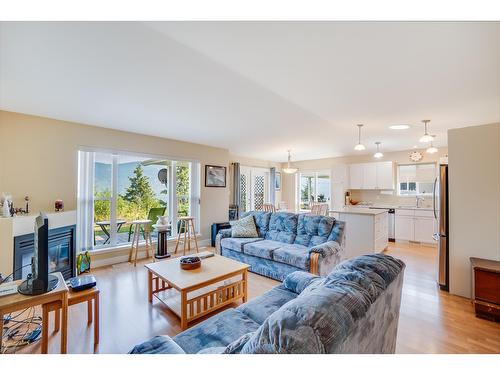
x: 355, y: 309
x: 287, y: 243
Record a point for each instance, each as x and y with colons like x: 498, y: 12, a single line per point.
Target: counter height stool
x: 137, y: 234
x: 186, y: 226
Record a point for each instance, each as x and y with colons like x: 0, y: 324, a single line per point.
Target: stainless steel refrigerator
x: 441, y: 214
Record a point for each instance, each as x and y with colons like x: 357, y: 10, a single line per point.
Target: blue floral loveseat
x: 287, y: 242
x: 355, y: 309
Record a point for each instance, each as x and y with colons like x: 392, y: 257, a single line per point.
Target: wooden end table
x: 195, y: 293
x: 91, y: 296
x: 17, y: 302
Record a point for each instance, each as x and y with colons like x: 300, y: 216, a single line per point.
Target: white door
x: 385, y: 175
x: 404, y: 228
x: 254, y: 186
x: 259, y: 189
x: 356, y: 176
x: 369, y: 176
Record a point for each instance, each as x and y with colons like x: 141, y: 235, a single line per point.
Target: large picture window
x: 314, y: 187
x: 127, y: 187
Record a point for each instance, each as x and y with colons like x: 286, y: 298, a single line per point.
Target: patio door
x: 254, y: 185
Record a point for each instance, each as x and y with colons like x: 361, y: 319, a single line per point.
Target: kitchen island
x: 366, y: 229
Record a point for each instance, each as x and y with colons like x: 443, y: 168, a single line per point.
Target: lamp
x: 359, y: 146
x: 432, y: 149
x: 426, y: 137
x: 288, y: 169
x: 378, y: 154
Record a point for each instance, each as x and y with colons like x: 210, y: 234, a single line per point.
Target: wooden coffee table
x: 195, y: 293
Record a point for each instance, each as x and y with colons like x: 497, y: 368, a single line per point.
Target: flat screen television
x: 39, y: 281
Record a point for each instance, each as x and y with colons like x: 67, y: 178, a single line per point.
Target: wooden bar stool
x: 186, y: 227
x: 89, y: 295
x: 137, y: 234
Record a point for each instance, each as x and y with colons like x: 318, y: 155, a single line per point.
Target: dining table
x: 107, y: 223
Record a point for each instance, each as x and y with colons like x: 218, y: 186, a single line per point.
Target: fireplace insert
x: 62, y: 252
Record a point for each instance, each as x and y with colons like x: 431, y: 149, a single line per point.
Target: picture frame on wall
x: 277, y: 181
x: 215, y: 176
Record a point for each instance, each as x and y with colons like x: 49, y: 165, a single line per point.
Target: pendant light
x: 288, y: 169
x: 359, y: 146
x: 432, y: 149
x: 378, y: 154
x: 426, y: 137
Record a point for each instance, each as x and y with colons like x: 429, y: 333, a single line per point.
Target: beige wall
x: 290, y: 186
x: 474, y: 196
x: 38, y: 157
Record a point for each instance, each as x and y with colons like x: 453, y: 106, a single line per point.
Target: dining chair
x: 153, y: 216
x: 268, y: 207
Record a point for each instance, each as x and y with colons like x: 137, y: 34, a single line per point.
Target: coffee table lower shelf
x: 197, y: 301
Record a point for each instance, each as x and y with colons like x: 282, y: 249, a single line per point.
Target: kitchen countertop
x: 388, y: 206
x: 359, y: 210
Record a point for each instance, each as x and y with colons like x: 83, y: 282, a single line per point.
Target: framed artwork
x: 215, y: 176
x: 277, y: 181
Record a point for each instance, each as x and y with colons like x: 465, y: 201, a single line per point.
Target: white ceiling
x: 257, y: 88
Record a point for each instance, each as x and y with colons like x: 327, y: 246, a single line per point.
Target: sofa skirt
x: 265, y: 267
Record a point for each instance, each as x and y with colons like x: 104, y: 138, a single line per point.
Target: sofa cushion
x: 217, y: 331
x: 282, y: 227
x: 320, y: 319
x: 294, y: 255
x: 258, y: 309
x: 237, y: 244
x: 337, y: 232
x: 245, y: 227
x: 299, y: 280
x: 313, y: 230
x: 261, y: 220
x: 158, y: 345
x: 262, y: 249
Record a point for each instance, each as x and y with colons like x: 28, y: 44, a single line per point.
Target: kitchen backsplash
x: 378, y: 197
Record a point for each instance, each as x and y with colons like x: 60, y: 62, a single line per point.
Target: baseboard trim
x: 121, y: 255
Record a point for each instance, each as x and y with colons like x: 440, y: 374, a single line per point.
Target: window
x: 313, y: 187
x: 416, y: 179
x: 127, y: 187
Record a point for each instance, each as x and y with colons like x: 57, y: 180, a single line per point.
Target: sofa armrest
x: 324, y: 257
x: 299, y: 280
x: 158, y: 345
x: 223, y: 233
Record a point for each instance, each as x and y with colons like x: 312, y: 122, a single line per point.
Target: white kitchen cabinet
x: 369, y: 176
x: 356, y: 176
x: 385, y: 175
x: 415, y: 225
x: 404, y: 228
x: 424, y: 229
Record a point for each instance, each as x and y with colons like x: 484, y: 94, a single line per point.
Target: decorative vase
x: 162, y: 221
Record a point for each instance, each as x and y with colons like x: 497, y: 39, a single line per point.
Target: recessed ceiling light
x: 399, y: 127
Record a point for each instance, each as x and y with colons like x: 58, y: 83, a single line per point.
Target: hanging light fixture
x: 289, y: 169
x: 378, y: 154
x: 359, y: 146
x: 426, y: 137
x: 432, y: 149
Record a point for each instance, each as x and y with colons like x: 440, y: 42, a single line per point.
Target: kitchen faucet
x: 418, y: 200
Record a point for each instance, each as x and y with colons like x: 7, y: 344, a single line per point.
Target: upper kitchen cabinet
x: 385, y: 175
x: 378, y: 175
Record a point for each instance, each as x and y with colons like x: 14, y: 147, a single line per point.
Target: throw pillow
x: 244, y: 227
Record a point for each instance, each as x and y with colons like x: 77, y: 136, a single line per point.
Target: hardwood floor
x: 431, y: 321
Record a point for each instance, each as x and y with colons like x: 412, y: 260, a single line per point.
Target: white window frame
x: 251, y: 172
x: 417, y: 191
x: 194, y: 195
x: 316, y: 173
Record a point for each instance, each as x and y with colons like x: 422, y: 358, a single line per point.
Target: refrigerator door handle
x: 434, y: 198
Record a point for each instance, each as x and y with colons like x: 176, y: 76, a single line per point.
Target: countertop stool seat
x: 186, y: 228
x: 137, y: 234
x: 91, y: 296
